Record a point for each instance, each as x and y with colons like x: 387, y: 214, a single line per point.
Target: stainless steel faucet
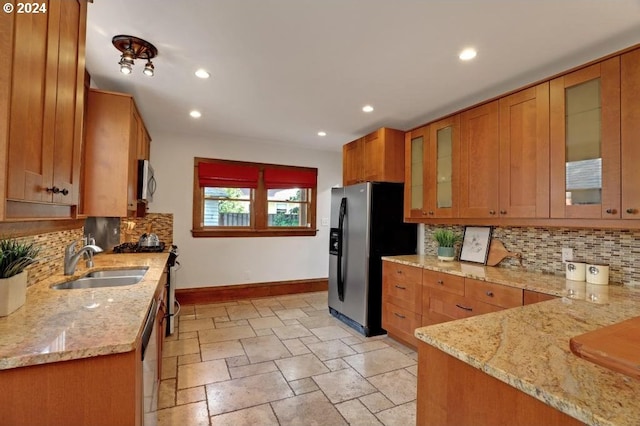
x: 71, y: 258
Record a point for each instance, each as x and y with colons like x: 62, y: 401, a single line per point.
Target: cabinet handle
x: 503, y: 212
x: 464, y: 307
x: 492, y: 212
x: 611, y: 211
x: 399, y: 315
x: 489, y: 293
x: 440, y: 282
x: 53, y: 189
x: 400, y: 287
x: 631, y: 211
x: 64, y: 191
x: 398, y: 271
x: 431, y: 213
x: 424, y: 213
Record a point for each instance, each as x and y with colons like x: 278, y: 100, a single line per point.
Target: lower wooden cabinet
x: 401, y: 297
x: 530, y: 297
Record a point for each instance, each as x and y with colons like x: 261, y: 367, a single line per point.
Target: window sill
x: 287, y: 232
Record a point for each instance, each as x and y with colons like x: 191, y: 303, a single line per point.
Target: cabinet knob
x: 611, y: 211
x: 424, y: 213
x: 492, y: 212
x: 64, y: 191
x: 503, y: 212
x: 631, y: 211
x: 431, y: 213
x: 489, y: 293
x: 440, y: 282
x: 54, y: 189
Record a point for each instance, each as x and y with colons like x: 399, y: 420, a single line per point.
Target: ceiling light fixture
x: 367, y: 108
x: 201, y: 73
x: 322, y: 133
x: 134, y: 48
x: 467, y: 54
x: 195, y: 114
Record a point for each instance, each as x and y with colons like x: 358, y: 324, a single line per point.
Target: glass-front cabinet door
x: 416, y: 156
x: 585, y: 142
x: 444, y: 148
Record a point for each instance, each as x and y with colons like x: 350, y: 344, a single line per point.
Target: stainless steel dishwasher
x: 150, y: 366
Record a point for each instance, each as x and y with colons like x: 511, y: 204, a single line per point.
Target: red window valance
x: 290, y: 178
x: 227, y: 175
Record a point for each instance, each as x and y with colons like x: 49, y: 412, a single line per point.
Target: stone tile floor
x: 282, y: 361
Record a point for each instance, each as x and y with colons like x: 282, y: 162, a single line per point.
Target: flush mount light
x: 202, y: 73
x: 322, y: 133
x: 467, y: 54
x: 133, y: 48
x: 195, y: 114
x: 367, y: 108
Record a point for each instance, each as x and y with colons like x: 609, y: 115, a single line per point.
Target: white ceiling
x: 282, y: 70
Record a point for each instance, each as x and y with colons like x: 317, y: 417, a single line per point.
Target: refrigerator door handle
x: 343, y: 213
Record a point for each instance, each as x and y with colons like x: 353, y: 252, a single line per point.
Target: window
x: 240, y: 199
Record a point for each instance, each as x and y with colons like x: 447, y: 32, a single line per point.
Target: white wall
x: 227, y: 261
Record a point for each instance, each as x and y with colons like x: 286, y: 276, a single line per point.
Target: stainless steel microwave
x: 146, y: 181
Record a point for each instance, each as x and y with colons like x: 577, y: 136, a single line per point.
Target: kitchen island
x: 527, y: 349
x: 73, y: 356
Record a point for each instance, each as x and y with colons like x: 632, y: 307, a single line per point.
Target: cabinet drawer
x: 402, y: 287
x: 400, y: 322
x: 444, y: 306
x: 440, y: 281
x: 401, y: 273
x: 494, y: 294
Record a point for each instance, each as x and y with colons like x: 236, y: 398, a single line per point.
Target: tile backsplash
x: 161, y: 225
x: 541, y: 249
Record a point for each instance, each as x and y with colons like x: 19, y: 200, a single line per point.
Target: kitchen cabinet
x: 416, y: 151
x: 42, y: 84
x: 401, y: 297
x: 378, y: 156
x: 585, y: 142
x: 479, y: 162
x: 524, y: 153
x: 115, y: 132
x: 630, y: 134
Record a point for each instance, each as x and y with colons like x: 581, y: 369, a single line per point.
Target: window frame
x: 259, y: 207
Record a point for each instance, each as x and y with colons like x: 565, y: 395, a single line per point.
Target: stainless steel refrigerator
x: 366, y: 224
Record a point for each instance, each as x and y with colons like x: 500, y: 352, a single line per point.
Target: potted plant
x: 15, y: 256
x: 446, y: 239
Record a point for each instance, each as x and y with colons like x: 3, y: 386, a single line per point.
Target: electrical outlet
x: 567, y: 254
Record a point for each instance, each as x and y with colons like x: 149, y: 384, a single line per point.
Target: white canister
x: 597, y: 274
x: 575, y: 270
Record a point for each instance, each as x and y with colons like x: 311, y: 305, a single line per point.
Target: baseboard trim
x: 195, y: 296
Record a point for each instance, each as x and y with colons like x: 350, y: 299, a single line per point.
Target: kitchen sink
x: 109, y: 278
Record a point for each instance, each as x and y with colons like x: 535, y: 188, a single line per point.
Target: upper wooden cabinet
x: 524, y: 153
x: 585, y: 142
x: 416, y: 157
x: 42, y: 92
x: 479, y: 161
x: 630, y: 134
x: 115, y: 133
x: 378, y: 156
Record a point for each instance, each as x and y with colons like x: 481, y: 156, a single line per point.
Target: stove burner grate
x: 136, y: 248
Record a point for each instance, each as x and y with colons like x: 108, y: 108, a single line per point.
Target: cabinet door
x: 143, y: 139
x: 443, y: 172
x: 630, y: 133
x: 524, y: 153
x: 373, y: 156
x: 352, y: 162
x: 585, y: 142
x: 33, y: 104
x: 479, y: 161
x: 69, y: 102
x: 417, y: 158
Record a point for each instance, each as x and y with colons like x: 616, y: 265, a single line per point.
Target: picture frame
x: 475, y: 244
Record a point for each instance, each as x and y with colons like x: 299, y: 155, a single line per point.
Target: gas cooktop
x: 137, y: 248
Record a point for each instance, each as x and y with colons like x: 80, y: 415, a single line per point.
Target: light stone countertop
x: 528, y: 347
x: 58, y: 325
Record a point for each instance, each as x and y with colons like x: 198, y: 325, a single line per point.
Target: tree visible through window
x: 249, y: 199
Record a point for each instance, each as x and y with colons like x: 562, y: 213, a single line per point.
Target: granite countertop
x: 58, y: 325
x: 528, y: 347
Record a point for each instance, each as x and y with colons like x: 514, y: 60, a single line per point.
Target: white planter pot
x: 13, y: 293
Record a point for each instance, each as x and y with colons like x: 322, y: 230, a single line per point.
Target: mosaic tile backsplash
x: 161, y: 225
x: 541, y: 249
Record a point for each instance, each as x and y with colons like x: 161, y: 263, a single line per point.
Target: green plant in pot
x: 446, y: 239
x: 15, y: 256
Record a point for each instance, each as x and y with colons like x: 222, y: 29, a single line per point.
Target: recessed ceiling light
x: 195, y: 114
x: 322, y: 133
x: 367, y: 108
x: 467, y: 54
x: 202, y: 73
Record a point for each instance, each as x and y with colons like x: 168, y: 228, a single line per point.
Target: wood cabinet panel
x: 494, y: 294
x: 524, y: 153
x: 448, y: 306
x: 630, y: 134
x: 378, y: 156
x: 442, y: 281
x: 352, y: 162
x: 402, y: 286
x: 479, y: 162
x: 401, y: 322
x: 529, y: 297
x: 416, y: 159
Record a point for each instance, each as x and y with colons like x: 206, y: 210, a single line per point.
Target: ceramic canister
x: 575, y: 270
x: 597, y: 274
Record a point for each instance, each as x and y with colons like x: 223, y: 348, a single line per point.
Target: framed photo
x: 475, y: 244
